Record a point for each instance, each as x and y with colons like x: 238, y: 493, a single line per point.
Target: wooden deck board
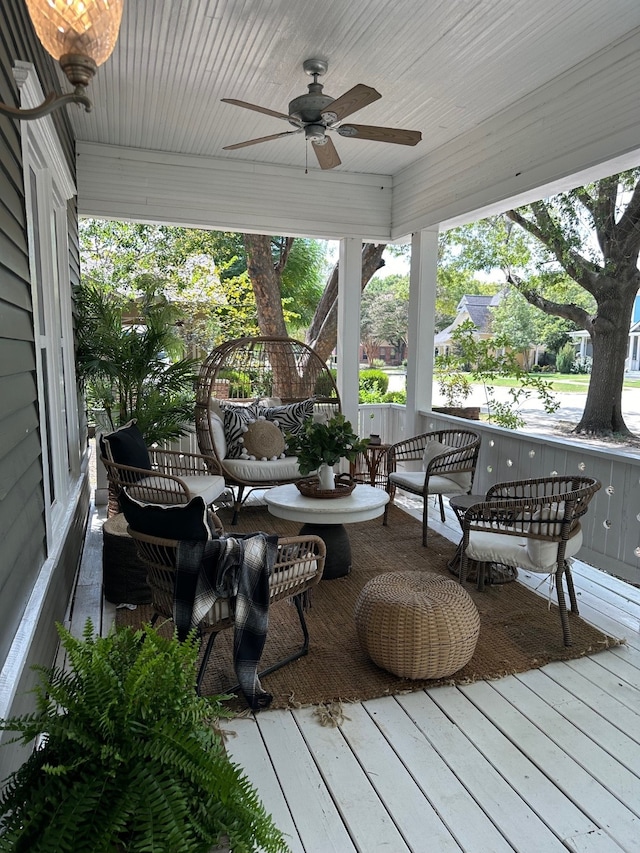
x: 563, y: 770
x: 533, y: 786
x: 543, y: 761
x: 512, y: 816
x: 370, y: 825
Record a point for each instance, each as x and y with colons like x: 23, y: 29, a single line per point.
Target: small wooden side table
x: 370, y: 466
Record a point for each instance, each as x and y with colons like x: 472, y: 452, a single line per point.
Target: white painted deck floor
x: 544, y: 761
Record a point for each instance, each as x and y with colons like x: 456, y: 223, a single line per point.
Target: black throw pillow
x: 127, y: 446
x: 182, y: 521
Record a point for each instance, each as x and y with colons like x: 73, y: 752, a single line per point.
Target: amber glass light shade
x: 77, y: 27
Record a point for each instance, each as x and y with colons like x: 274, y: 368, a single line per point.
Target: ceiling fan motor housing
x: 308, y: 108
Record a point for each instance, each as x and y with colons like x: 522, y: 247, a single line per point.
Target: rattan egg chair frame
x: 259, y: 369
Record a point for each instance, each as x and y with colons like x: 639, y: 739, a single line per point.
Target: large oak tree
x: 609, y: 211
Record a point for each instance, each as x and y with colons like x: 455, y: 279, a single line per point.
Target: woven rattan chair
x: 272, y: 374
x: 298, y: 567
x: 160, y: 477
x: 448, y: 458
x: 532, y: 525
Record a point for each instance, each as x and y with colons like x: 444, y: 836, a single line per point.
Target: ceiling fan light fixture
x: 315, y: 133
x: 81, y: 35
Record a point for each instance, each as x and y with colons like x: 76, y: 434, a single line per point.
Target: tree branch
x: 569, y: 311
x: 545, y: 230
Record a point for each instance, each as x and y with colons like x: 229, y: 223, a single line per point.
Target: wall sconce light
x: 81, y: 35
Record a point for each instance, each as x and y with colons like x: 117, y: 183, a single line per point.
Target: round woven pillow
x: 417, y: 625
x: 264, y: 440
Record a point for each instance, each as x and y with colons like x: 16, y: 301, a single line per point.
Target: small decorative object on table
x: 310, y: 487
x: 318, y: 445
x: 374, y: 439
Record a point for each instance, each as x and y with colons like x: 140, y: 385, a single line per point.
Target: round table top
x: 364, y: 503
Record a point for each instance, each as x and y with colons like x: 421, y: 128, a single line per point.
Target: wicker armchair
x: 448, y: 458
x: 251, y: 379
x: 160, y: 476
x: 532, y: 525
x: 298, y: 567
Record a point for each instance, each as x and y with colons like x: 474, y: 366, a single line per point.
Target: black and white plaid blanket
x: 238, y: 569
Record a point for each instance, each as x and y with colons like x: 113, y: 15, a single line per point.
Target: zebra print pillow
x: 290, y: 418
x: 236, y: 420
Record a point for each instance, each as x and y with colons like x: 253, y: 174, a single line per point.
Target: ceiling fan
x: 315, y: 113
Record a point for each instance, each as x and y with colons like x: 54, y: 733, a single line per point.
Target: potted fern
x: 129, y: 757
x: 319, y: 446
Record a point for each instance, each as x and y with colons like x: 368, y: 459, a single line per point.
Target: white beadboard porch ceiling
x: 443, y: 67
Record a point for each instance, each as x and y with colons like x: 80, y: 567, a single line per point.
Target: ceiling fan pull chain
x: 306, y: 157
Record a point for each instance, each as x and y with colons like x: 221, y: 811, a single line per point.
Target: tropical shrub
x: 126, y: 368
x: 565, y: 358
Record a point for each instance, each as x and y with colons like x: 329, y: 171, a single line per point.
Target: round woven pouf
x: 417, y: 625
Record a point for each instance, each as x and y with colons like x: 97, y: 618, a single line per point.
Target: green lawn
x: 566, y: 383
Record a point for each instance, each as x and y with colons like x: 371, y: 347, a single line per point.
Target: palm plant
x: 122, y: 366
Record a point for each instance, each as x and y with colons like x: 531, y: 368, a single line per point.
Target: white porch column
x: 349, y: 292
x: 422, y: 308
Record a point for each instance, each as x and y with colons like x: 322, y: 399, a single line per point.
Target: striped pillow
x: 236, y: 420
x: 290, y: 418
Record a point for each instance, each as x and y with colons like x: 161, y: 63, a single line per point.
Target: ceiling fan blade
x: 380, y: 134
x: 355, y: 99
x: 327, y: 154
x: 257, y: 109
x: 260, y: 139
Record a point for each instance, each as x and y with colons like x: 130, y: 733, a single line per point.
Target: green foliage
x: 130, y: 759
x: 453, y: 385
x: 487, y: 360
x: 122, y: 367
x: 329, y: 443
x: 565, y: 358
x: 373, y: 380
x: 395, y: 397
x: 323, y: 387
x: 384, y: 313
x: 239, y: 382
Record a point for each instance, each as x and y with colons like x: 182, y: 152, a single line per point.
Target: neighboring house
x: 478, y: 310
x: 471, y: 307
x: 584, y: 348
x: 386, y: 352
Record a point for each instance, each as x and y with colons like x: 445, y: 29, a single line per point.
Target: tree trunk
x: 323, y: 332
x: 602, y: 413
x: 266, y: 285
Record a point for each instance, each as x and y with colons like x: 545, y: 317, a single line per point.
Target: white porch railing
x: 612, y: 525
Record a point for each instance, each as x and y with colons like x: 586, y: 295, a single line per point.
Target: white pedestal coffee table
x: 326, y: 518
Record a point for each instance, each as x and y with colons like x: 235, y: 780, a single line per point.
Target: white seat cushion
x: 217, y: 430
x: 517, y: 551
x: 207, y: 486
x: 291, y: 576
x: 413, y: 481
x: 257, y: 471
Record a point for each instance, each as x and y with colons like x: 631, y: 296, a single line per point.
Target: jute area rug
x: 518, y: 630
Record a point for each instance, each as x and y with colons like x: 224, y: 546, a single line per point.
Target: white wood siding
x: 203, y: 192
